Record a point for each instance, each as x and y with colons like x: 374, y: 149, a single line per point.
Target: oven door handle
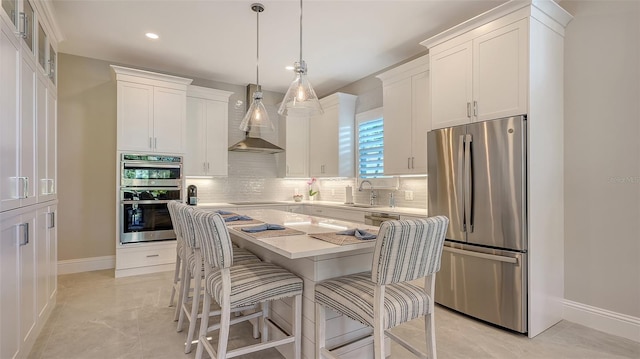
x: 146, y: 202
x: 138, y: 188
x: 150, y: 165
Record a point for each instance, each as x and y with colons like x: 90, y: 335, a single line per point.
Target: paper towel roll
x: 348, y: 195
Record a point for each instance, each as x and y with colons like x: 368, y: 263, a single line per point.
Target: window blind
x: 371, y: 148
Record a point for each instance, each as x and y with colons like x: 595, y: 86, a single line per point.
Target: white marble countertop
x: 391, y: 210
x: 300, y: 246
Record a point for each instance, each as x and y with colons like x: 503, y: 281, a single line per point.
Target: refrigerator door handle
x: 461, y: 192
x: 492, y: 257
x: 468, y: 183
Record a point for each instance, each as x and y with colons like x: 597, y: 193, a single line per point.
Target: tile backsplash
x: 236, y: 188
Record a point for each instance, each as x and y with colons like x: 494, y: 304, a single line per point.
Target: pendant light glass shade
x: 300, y: 97
x: 257, y: 116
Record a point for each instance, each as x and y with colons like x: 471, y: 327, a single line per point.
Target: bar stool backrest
x: 186, y: 223
x: 408, y: 249
x: 214, y: 239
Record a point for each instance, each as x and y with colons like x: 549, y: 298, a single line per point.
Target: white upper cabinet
x: 151, y: 111
x: 207, y: 132
x: 481, y: 75
x: 331, y: 137
x: 406, y: 117
x: 296, y: 152
x: 13, y: 186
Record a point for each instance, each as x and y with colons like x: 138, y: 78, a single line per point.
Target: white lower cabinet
x: 28, y: 258
x: 144, y: 258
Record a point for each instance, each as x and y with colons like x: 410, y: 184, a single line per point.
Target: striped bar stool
x: 405, y: 250
x: 236, y: 285
x: 181, y: 262
x: 190, y: 306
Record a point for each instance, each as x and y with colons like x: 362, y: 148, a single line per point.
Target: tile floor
x: 100, y: 317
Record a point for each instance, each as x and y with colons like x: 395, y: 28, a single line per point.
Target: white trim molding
x: 622, y: 325
x: 86, y: 264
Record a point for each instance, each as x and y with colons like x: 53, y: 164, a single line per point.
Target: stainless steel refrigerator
x: 477, y: 178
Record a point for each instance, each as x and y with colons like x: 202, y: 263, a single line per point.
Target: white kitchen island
x: 313, y: 260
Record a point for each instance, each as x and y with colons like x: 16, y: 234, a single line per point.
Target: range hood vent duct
x: 254, y: 144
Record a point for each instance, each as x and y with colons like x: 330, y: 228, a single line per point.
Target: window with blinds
x: 371, y: 148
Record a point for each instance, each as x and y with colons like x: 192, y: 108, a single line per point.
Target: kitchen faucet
x: 372, y: 195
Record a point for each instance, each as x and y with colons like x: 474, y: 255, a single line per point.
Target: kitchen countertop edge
x: 421, y: 212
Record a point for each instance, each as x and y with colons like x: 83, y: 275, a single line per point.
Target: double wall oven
x: 147, y: 184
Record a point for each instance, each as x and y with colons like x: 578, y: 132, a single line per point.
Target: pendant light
x: 300, y: 97
x: 257, y: 114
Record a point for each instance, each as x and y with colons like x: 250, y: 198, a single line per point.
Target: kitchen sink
x: 362, y: 205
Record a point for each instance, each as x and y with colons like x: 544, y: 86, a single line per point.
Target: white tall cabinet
x: 207, y: 132
x: 28, y: 99
x: 405, y: 94
x: 509, y: 61
x: 331, y: 137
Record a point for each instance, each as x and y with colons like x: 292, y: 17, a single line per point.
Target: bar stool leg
x: 204, y: 324
x: 297, y: 327
x: 195, y: 306
x: 321, y: 325
x: 182, y: 275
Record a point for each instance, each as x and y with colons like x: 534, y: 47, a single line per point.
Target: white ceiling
x: 343, y: 41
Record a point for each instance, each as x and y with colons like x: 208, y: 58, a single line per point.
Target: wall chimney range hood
x: 254, y: 144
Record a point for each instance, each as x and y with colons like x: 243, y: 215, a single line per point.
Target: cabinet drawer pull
x: 153, y: 255
x: 150, y: 142
x: 469, y: 109
x: 52, y: 220
x: 475, y: 108
x: 25, y: 234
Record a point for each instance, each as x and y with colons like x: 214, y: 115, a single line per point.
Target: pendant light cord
x: 258, y: 50
x: 300, y: 31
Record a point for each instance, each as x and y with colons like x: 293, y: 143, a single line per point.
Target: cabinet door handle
x: 52, y: 220
x: 150, y: 142
x: 153, y: 255
x: 25, y: 234
x: 23, y: 19
x: 24, y: 187
x: 408, y: 162
x: 469, y: 109
x: 475, y: 108
x: 204, y: 167
x: 208, y: 167
x: 155, y: 143
x: 413, y: 163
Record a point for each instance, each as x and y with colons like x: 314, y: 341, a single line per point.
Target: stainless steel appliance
x: 147, y: 184
x: 477, y: 178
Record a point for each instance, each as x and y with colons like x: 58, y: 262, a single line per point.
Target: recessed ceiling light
x: 290, y: 68
x: 151, y: 35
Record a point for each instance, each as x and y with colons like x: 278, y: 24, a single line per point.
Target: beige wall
x: 602, y: 155
x: 86, y: 158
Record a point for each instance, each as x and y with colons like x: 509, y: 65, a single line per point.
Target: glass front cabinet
x: 22, y: 17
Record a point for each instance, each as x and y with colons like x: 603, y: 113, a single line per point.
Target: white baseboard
x: 622, y: 325
x: 86, y: 264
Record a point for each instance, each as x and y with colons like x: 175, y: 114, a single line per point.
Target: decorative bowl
x: 297, y: 197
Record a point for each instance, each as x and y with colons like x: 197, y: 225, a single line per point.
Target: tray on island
x: 341, y: 239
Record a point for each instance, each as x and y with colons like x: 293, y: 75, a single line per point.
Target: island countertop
x: 302, y: 245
